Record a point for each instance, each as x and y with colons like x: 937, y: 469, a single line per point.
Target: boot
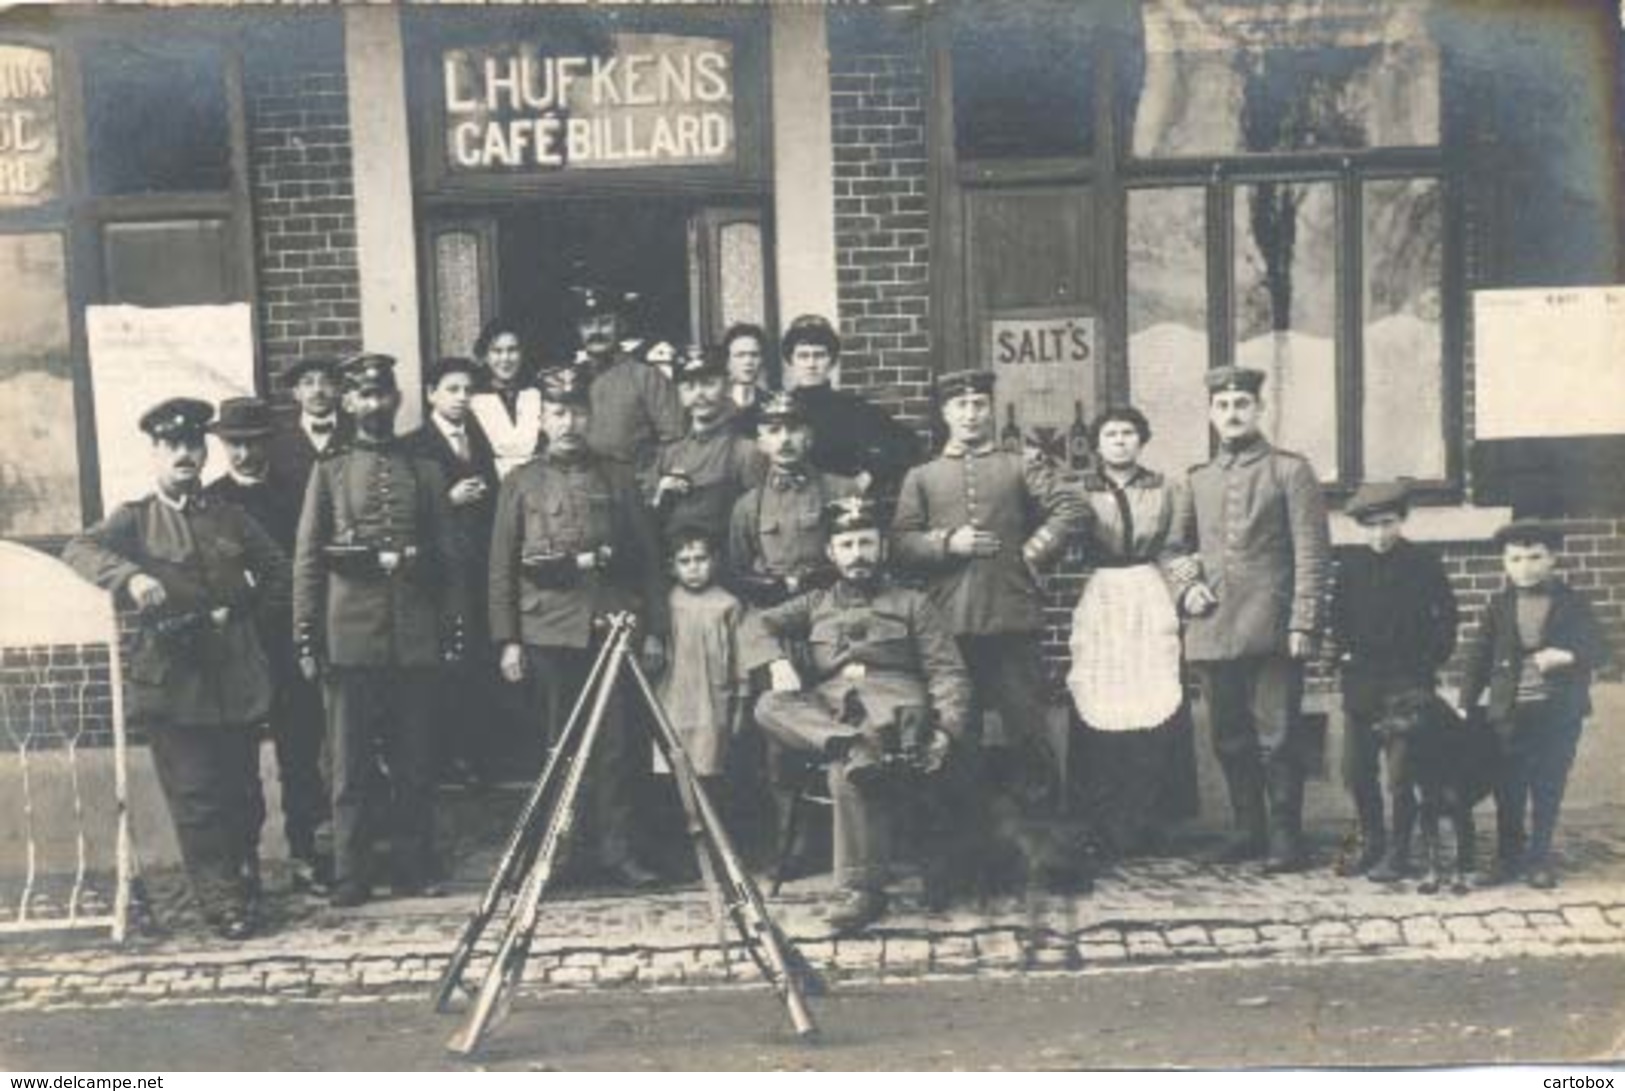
x: 1285, y: 789
x: 1373, y: 837
x: 1247, y: 842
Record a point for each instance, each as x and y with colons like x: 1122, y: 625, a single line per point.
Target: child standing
x: 701, y: 686
x: 1538, y: 644
x: 1394, y: 621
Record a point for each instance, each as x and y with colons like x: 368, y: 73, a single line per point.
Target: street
x: 1385, y: 1013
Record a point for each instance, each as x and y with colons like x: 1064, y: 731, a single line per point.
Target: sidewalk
x: 1161, y: 912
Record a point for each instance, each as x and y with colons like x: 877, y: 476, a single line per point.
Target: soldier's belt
x: 369, y: 562
x: 551, y: 571
x: 761, y: 591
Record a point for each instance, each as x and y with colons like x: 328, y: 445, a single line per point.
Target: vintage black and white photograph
x: 888, y: 535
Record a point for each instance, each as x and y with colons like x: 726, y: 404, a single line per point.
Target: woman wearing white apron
x: 510, y: 408
x: 1125, y: 677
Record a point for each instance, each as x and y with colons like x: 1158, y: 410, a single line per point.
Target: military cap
x: 1376, y: 498
x: 327, y: 365
x: 177, y: 419
x: 243, y: 418
x: 781, y: 406
x: 660, y: 354
x: 698, y: 363
x: 974, y: 380
x: 368, y: 371
x: 566, y: 385
x: 810, y: 329
x: 449, y: 365
x: 1248, y: 380
x: 594, y: 299
x: 850, y: 513
x: 1527, y: 532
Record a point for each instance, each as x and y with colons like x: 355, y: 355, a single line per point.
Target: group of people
x: 812, y: 595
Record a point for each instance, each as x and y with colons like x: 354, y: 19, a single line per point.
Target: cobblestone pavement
x: 1159, y: 912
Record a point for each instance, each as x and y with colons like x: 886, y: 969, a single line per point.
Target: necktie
x: 459, y: 443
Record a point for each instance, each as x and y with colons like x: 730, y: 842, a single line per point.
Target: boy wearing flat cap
x: 200, y: 572
x: 1531, y: 669
x: 1393, y: 619
x: 1255, y: 604
x: 978, y: 523
x: 379, y: 606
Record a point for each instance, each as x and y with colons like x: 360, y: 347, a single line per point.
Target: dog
x: 1440, y: 765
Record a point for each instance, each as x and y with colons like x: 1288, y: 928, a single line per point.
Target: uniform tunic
x: 634, y: 410
x: 722, y: 466
x: 1258, y: 522
x: 570, y: 505
x: 995, y: 491
x: 885, y: 647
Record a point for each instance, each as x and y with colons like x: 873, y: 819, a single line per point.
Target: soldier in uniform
x: 1257, y: 519
x: 699, y: 477
x: 977, y: 523
x: 634, y: 407
x: 879, y: 658
x: 855, y: 438
x: 319, y: 428
x: 379, y: 607
x: 199, y: 571
x: 297, y: 721
x: 573, y: 543
x: 452, y: 438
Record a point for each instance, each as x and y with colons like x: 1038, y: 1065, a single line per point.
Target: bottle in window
x: 1010, y: 435
x: 1077, y: 439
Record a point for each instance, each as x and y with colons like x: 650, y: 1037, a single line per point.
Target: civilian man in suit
x: 1258, y: 521
x: 452, y: 438
x: 199, y: 571
x: 318, y: 429
x: 379, y: 605
x: 297, y: 722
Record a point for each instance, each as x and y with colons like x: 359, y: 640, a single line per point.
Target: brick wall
x: 54, y: 695
x: 304, y: 200
x: 882, y: 213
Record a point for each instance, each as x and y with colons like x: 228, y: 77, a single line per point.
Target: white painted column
x: 386, y: 234
x: 803, y: 163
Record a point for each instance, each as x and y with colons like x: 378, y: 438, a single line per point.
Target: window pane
x: 1286, y: 311
x: 1167, y: 321
x: 157, y: 119
x: 29, y: 171
x: 740, y: 273
x: 458, y: 314
x: 1403, y: 373
x: 167, y: 263
x: 1023, y: 84
x: 39, y: 460
x: 1230, y: 76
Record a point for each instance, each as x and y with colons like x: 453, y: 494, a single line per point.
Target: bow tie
x: 960, y: 450
x: 787, y: 482
x: 322, y: 427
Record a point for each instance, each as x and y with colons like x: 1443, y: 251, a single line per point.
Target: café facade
x: 1098, y: 200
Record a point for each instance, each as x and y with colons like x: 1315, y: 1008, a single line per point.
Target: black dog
x: 1439, y: 764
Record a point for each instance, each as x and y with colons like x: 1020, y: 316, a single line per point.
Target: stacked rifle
x: 534, y: 851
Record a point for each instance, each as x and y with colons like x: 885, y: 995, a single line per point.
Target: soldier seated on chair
x: 882, y: 666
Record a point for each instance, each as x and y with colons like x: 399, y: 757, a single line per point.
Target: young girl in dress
x: 701, y: 689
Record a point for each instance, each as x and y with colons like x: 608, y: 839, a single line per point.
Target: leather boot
x: 1247, y: 842
x: 1373, y: 836
x: 1285, y: 790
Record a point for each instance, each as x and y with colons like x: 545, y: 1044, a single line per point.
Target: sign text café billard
x: 650, y: 100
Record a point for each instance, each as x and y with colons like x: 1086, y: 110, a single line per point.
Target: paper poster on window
x: 1044, y: 374
x: 141, y: 355
x: 1549, y: 362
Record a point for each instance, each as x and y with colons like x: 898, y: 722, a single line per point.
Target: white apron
x: 512, y: 441
x: 1125, y: 650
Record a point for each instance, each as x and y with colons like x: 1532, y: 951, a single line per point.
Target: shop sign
x: 1045, y: 376
x: 28, y: 130
x: 649, y: 100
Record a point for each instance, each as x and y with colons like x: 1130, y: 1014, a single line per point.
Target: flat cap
x: 1248, y: 380
x: 177, y: 418
x: 1527, y: 532
x: 975, y: 380
x: 1376, y: 498
x: 850, y: 513
x: 810, y: 329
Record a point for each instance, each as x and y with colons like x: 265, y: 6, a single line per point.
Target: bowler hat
x: 243, y: 418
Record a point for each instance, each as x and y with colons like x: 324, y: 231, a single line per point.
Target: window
x: 1322, y: 265
x: 167, y: 263
x: 1023, y: 82
x: 156, y: 118
x: 39, y: 461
